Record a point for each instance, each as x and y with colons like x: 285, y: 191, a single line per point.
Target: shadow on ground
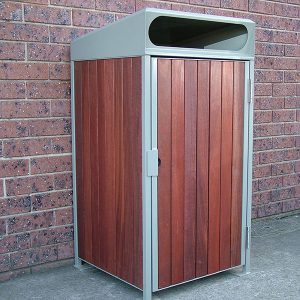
x: 275, y: 274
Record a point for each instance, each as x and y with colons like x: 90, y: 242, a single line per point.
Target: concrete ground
x: 275, y: 275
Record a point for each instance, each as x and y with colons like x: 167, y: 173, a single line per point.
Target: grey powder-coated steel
x: 230, y: 38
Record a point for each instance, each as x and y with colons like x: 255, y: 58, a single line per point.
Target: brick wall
x: 35, y: 142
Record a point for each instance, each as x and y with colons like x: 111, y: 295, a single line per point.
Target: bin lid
x: 160, y: 32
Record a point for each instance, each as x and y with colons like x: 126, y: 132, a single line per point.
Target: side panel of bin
x: 200, y: 181
x: 108, y: 112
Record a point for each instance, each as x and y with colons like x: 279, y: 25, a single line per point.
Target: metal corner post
x: 146, y: 180
x: 78, y: 262
x: 246, y: 268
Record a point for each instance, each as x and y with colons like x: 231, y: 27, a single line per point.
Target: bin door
x: 200, y: 119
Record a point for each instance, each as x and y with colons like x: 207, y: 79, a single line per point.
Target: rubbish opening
x: 200, y: 34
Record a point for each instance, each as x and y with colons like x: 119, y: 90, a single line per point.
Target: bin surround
x: 132, y: 40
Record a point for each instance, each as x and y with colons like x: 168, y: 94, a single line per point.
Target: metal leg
x: 78, y: 264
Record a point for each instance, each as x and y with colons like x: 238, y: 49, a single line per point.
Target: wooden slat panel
x: 79, y: 160
x: 110, y: 154
x: 164, y: 83
x: 93, y: 96
x: 86, y: 158
x: 214, y: 167
x: 226, y: 154
x: 136, y: 154
x: 177, y: 206
x: 237, y: 163
x: 190, y: 111
x: 202, y: 167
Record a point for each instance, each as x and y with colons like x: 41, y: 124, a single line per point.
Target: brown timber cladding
x: 200, y: 138
x: 109, y: 165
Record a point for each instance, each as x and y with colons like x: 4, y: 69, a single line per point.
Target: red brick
x: 235, y: 4
x: 26, y: 147
x: 219, y: 12
x: 268, y: 76
x: 51, y: 200
x: 24, y: 32
x: 52, y: 236
x: 283, y: 142
x: 271, y: 156
x: 291, y: 154
x: 261, y: 130
x: 290, y: 205
x: 284, y: 168
x: 264, y: 89
x: 127, y: 6
x: 285, y: 63
x: 48, y: 52
x: 261, y: 171
x: 260, y: 198
x: 61, y: 108
x: 27, y: 185
x: 290, y: 76
x: 282, y: 194
x: 65, y: 250
x: 65, y: 35
x: 74, y: 3
x: 298, y: 115
x: 286, y: 10
x: 141, y: 4
x: 10, y: 11
x: 269, y: 209
x: 10, y: 129
x: 214, y: 3
x: 47, y: 15
x: 24, y: 109
x: 290, y: 180
x: 254, y: 212
x: 15, y: 51
x: 261, y: 7
x: 62, y: 144
x: 15, y: 205
x: 297, y: 191
x: 86, y: 18
x: 268, y: 103
x: 262, y: 62
x: 48, y: 89
x: 30, y: 222
x: 23, y: 71
x: 63, y: 181
x: 293, y: 128
x: 284, y: 116
x: 64, y: 216
x: 255, y: 159
x: 33, y: 256
x: 262, y: 117
x: 60, y: 71
x: 4, y: 262
x: 264, y: 35
x: 284, y: 89
x: 297, y: 141
x: 188, y: 8
x: 12, y: 89
x: 262, y: 144
x: 292, y: 50
x: 285, y: 37
x: 269, y: 183
x: 2, y: 227
x: 50, y: 127
x: 292, y: 102
x: 269, y: 49
x: 12, y: 243
x: 36, y: 1
x: 10, y: 168
x: 51, y: 164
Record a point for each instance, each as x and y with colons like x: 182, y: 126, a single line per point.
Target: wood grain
x: 164, y: 82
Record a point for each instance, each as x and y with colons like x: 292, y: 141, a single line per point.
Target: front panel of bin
x: 200, y: 144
